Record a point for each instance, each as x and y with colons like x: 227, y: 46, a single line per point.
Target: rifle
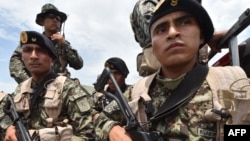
x: 231, y: 37
x: 22, y: 133
x: 133, y: 127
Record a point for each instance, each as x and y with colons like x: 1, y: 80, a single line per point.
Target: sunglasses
x: 52, y: 16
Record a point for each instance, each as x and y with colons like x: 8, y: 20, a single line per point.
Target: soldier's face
x: 52, y: 23
x: 37, y: 60
x: 119, y: 77
x: 176, y: 38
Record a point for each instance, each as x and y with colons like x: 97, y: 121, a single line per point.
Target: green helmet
x: 48, y: 9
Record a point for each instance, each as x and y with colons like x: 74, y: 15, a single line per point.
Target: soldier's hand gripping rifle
x: 22, y: 133
x: 133, y: 127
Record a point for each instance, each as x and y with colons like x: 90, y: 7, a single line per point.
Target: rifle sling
x: 184, y: 92
x: 41, y: 87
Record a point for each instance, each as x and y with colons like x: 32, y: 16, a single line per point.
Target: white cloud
x: 97, y: 29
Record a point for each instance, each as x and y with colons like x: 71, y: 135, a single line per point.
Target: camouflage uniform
x: 186, y: 123
x: 101, y: 101
x: 70, y: 55
x: 115, y: 64
x: 59, y: 103
x: 139, y: 20
x: 76, y: 107
x: 3, y: 97
x: 66, y: 54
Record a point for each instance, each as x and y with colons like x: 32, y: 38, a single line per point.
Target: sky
x: 98, y: 30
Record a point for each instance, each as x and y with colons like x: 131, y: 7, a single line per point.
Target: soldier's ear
x: 42, y: 23
x: 52, y: 63
x: 202, y: 39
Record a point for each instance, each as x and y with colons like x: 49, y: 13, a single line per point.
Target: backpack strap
x: 40, y: 88
x: 184, y: 91
x: 188, y: 87
x: 25, y: 86
x: 140, y: 91
x: 141, y: 87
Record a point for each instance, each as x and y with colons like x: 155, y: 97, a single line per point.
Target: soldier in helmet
x: 51, y: 105
x: 52, y: 21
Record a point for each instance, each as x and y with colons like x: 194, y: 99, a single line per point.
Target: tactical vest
x: 56, y: 130
x: 218, y: 78
x: 52, y: 103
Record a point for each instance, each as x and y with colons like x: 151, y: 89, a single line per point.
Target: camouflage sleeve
x: 74, y: 59
x: 109, y: 117
x: 16, y: 67
x: 103, y: 125
x: 5, y: 119
x: 97, y: 99
x: 78, y: 109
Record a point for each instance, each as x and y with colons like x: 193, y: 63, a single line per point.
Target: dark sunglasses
x: 52, y: 16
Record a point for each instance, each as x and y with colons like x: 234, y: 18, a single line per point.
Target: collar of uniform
x: 169, y: 83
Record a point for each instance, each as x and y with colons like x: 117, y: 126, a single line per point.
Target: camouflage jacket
x: 77, y: 108
x: 101, y: 101
x: 66, y: 56
x: 187, y: 123
x: 3, y: 97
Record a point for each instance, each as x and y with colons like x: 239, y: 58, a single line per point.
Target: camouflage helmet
x: 48, y: 9
x: 139, y: 20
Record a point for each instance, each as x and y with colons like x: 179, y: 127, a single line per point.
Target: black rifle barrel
x: 22, y: 132
x: 133, y: 127
x: 121, y: 101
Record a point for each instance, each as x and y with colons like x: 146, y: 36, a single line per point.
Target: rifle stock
x: 133, y: 127
x: 22, y: 133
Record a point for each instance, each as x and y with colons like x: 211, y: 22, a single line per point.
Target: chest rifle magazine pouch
x: 53, y: 100
x: 22, y: 104
x: 56, y: 133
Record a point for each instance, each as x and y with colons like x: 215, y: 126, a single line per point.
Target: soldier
x: 178, y: 91
x: 139, y: 20
x: 120, y: 72
x: 49, y: 104
x: 52, y: 20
